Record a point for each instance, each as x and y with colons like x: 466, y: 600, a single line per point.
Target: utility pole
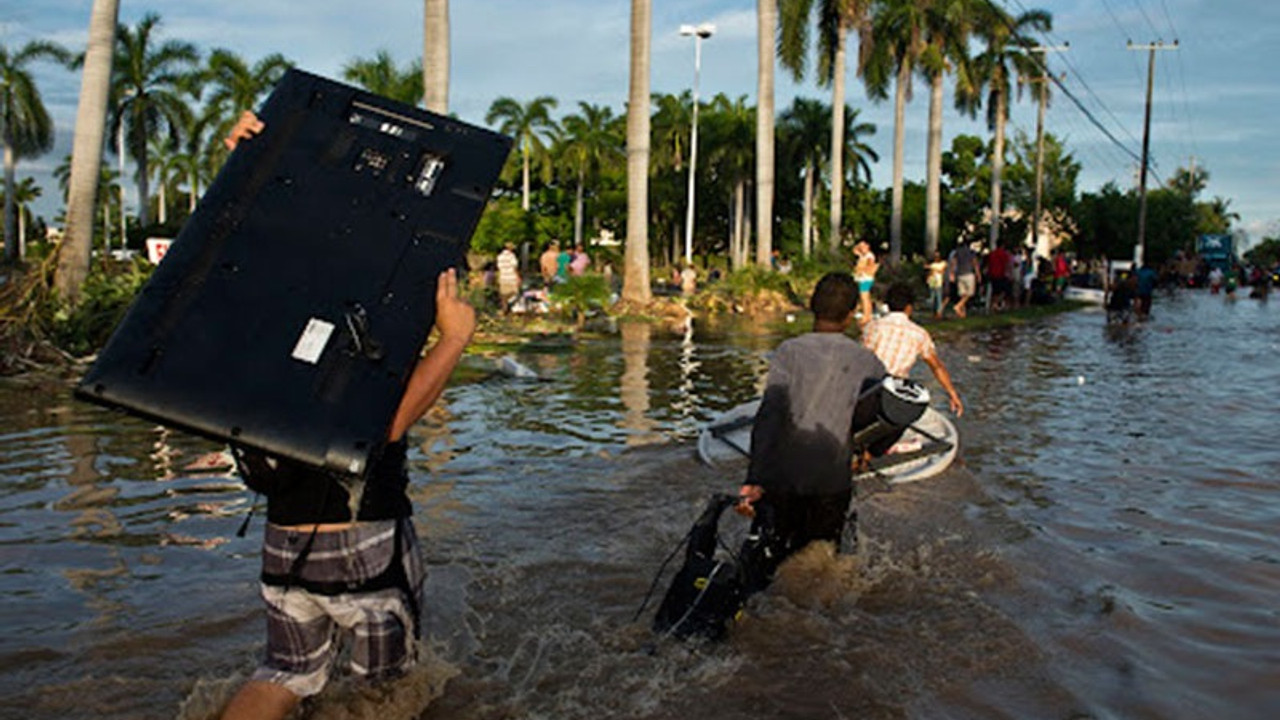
x: 1043, y: 80
x: 1140, y: 248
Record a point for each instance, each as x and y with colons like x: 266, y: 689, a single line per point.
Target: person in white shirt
x: 899, y: 342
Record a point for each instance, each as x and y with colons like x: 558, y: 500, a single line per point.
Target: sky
x: 1215, y: 99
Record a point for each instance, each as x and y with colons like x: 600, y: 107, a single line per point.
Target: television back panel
x: 289, y: 312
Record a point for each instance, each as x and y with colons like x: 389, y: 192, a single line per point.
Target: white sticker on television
x: 315, y: 336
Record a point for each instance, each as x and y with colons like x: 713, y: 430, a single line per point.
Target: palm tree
x: 234, y: 86
x: 195, y: 160
x: 805, y: 130
x: 146, y: 84
x: 635, y: 279
x: 946, y: 34
x: 531, y: 125
x: 380, y: 76
x: 856, y: 150
x: 107, y: 194
x: 25, y: 127
x: 86, y: 153
x: 591, y: 142
x: 730, y: 126
x: 898, y: 32
x: 836, y: 19
x: 435, y: 55
x: 767, y: 20
x: 1007, y: 55
x: 1189, y: 181
x: 671, y: 124
x: 166, y: 161
x: 23, y: 193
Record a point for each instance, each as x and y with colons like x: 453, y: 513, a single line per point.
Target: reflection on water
x: 634, y: 384
x: 1105, y: 548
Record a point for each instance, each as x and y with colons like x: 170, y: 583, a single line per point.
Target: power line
x: 1008, y: 20
x: 1138, y: 4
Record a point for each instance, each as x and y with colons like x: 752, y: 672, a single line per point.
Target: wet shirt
x: 801, y: 438
x: 299, y: 494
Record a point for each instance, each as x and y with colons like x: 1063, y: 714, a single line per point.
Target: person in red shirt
x: 1061, y: 271
x: 998, y: 262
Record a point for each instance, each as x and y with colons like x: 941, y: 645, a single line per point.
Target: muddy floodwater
x: 1107, y: 546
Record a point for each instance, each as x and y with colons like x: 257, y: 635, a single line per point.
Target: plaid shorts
x: 305, y: 627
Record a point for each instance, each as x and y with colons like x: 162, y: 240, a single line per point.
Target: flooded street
x: 1105, y: 547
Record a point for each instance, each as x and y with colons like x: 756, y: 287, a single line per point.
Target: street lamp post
x: 120, y: 158
x: 698, y: 32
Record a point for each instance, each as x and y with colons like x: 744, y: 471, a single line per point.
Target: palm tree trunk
x: 193, y: 192
x: 86, y: 153
x: 740, y: 212
x: 899, y: 136
x: 524, y: 203
x: 837, y: 140
x: 767, y: 19
x: 22, y: 232
x: 577, y: 210
x: 735, y: 254
x: 10, y: 203
x: 806, y: 231
x: 933, y: 189
x: 635, y: 283
x: 144, y: 192
x: 997, y: 169
x: 435, y: 55
x: 163, y: 212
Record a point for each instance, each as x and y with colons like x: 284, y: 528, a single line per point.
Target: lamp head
x: 705, y: 30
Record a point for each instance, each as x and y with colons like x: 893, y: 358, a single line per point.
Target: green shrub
x: 106, y: 295
x: 579, y: 295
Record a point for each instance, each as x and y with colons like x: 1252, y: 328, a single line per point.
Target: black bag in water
x: 709, y: 592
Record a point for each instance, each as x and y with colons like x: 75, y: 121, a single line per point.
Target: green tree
x: 948, y: 25
x: 1215, y: 216
x: 968, y: 174
x: 1190, y: 181
x: 835, y: 20
x: 165, y: 164
x: 23, y: 194
x: 532, y: 127
x: 381, y: 76
x: 730, y: 130
x: 857, y: 152
x: 1265, y: 254
x: 804, y: 130
x: 233, y: 86
x: 898, y: 42
x: 591, y: 141
x: 671, y: 126
x: 146, y: 87
x: 1007, y: 56
x: 1107, y: 223
x: 1058, y: 192
x: 107, y: 194
x: 25, y: 126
